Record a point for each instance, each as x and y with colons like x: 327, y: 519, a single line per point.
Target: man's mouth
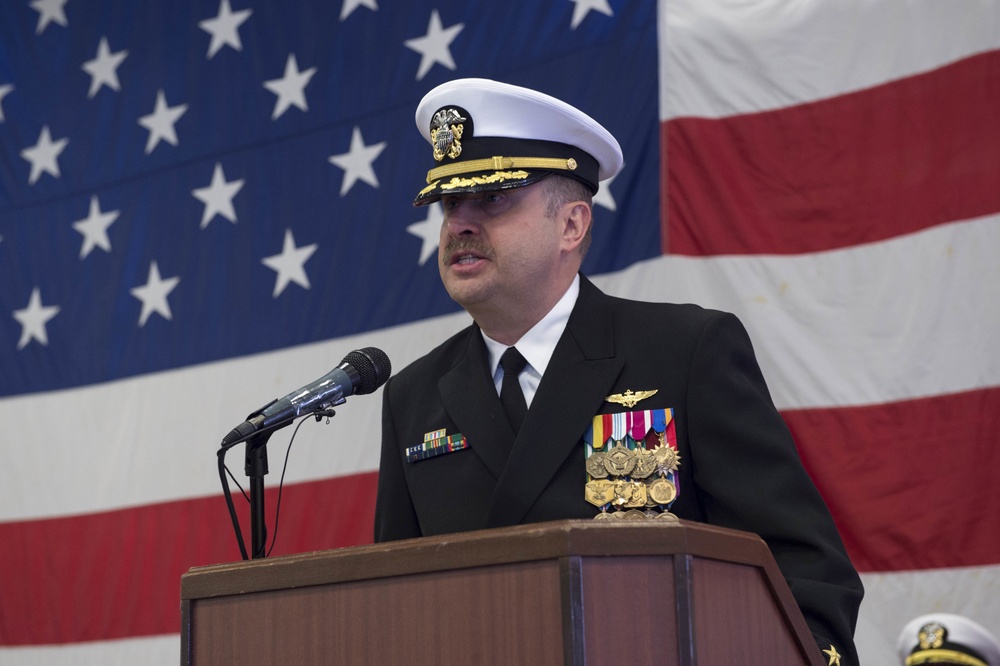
x: 464, y: 253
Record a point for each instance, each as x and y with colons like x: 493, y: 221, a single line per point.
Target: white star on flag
x: 434, y: 46
x: 428, y: 231
x: 49, y: 11
x: 357, y: 162
x: 290, y: 264
x: 154, y: 294
x: 218, y: 196
x: 160, y: 122
x: 103, y: 69
x: 224, y: 28
x: 604, y: 196
x: 95, y: 228
x: 291, y: 88
x: 44, y: 155
x: 583, y: 8
x: 33, y: 319
x: 350, y: 5
x: 5, y: 89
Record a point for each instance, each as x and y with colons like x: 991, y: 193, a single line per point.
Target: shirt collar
x: 537, y: 345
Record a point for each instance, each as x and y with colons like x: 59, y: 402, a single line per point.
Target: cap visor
x: 487, y: 181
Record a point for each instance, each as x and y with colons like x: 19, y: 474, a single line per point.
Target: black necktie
x: 511, y: 396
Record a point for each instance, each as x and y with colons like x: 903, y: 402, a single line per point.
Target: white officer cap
x: 487, y: 135
x: 945, y: 638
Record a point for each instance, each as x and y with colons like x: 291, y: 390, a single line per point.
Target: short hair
x: 561, y: 190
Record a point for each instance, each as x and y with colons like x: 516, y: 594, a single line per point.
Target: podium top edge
x: 498, y: 546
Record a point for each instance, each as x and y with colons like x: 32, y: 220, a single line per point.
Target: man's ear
x: 577, y: 218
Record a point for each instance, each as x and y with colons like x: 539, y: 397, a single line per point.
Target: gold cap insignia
x: 833, y: 655
x: 931, y: 636
x: 446, y: 130
x: 630, y: 398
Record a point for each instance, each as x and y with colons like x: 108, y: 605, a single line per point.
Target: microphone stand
x: 256, y: 469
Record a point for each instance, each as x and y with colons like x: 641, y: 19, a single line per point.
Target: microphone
x: 361, y: 372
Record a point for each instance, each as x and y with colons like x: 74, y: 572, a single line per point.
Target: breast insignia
x: 630, y: 398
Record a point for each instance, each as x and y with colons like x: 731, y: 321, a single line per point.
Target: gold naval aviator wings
x: 630, y: 398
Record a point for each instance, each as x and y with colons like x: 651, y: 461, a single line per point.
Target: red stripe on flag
x: 912, y: 485
x: 852, y: 169
x: 117, y: 574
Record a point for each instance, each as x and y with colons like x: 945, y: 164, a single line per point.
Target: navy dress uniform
x: 644, y: 410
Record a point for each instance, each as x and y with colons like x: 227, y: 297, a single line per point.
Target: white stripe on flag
x: 814, y: 320
x: 817, y: 320
x: 152, y: 651
x: 157, y: 434
x: 721, y: 58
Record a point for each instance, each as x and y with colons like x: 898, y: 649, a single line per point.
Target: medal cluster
x: 631, y: 482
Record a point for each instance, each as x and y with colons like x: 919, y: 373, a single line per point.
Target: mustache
x: 463, y: 245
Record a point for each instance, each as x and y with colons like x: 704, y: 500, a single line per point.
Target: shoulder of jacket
x: 441, y: 358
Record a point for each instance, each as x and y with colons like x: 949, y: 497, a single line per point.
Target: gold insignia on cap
x: 446, y: 130
x: 498, y: 162
x: 833, y: 655
x: 498, y: 177
x: 429, y: 188
x: 931, y: 636
x: 629, y: 398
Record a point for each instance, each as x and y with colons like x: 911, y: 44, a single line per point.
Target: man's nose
x: 460, y: 217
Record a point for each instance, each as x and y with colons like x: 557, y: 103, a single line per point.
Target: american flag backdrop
x: 206, y: 204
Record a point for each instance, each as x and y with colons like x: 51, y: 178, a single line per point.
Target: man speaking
x: 563, y: 402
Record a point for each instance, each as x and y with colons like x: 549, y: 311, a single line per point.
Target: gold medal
x: 599, y: 492
x: 595, y: 465
x: 638, y: 495
x: 662, y: 491
x: 604, y: 515
x: 667, y: 459
x: 633, y: 514
x: 629, y: 494
x: 645, y: 463
x: 619, y: 461
x: 669, y: 517
x: 623, y: 493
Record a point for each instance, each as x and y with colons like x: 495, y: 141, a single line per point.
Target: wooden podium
x: 568, y: 592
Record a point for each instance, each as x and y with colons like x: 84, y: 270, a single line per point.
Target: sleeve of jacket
x: 750, y: 477
x: 395, y: 517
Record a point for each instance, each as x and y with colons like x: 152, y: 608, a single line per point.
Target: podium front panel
x: 567, y: 593
x: 487, y: 615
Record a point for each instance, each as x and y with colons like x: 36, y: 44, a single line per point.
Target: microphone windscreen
x: 373, y: 367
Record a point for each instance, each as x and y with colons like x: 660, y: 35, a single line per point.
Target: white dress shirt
x: 537, y: 345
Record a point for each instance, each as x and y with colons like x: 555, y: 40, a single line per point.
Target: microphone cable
x: 227, y: 492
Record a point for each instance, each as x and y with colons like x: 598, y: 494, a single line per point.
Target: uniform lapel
x: 582, y: 370
x: 471, y: 400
